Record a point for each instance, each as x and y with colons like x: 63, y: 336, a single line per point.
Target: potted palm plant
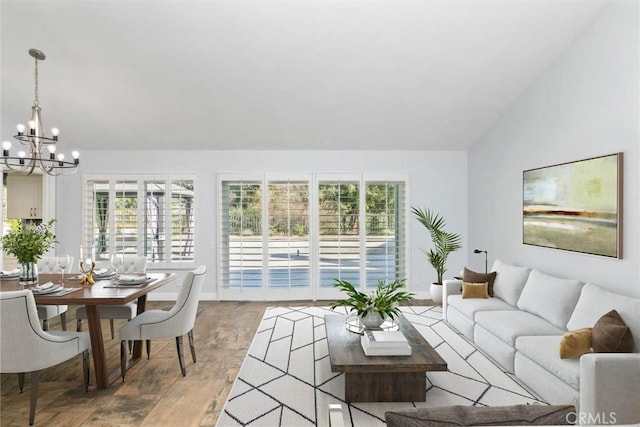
x: 444, y: 243
x: 375, y: 306
x: 28, y: 241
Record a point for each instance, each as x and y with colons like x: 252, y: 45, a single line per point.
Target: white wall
x: 437, y: 180
x: 585, y: 105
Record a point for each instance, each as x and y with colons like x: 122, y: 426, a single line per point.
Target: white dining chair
x: 26, y: 347
x: 170, y: 323
x: 132, y: 264
x: 48, y: 265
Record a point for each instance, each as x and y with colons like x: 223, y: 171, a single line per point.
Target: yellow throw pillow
x: 575, y: 343
x: 475, y: 290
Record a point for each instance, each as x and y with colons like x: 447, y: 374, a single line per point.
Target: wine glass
x: 117, y: 262
x: 62, y: 262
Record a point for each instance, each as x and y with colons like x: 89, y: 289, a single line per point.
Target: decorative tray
x: 353, y: 324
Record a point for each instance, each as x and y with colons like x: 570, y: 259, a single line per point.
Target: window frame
x: 88, y: 214
x: 315, y: 291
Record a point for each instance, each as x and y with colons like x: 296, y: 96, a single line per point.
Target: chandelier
x: 34, y: 141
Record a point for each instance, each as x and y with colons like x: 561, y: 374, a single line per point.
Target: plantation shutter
x: 385, y: 232
x: 338, y: 225
x: 140, y: 215
x: 241, y: 247
x: 155, y: 241
x: 288, y: 247
x: 96, y: 220
x: 182, y: 221
x: 126, y: 217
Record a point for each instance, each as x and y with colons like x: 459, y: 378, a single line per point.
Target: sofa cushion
x: 474, y: 277
x: 611, y: 335
x: 543, y: 350
x: 595, y: 301
x: 510, y: 280
x: 475, y: 290
x: 459, y: 415
x: 575, y: 343
x: 549, y: 297
x: 509, y: 325
x: 469, y: 307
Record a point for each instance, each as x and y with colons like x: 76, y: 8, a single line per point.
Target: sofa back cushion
x: 510, y: 280
x: 595, y: 301
x: 549, y: 297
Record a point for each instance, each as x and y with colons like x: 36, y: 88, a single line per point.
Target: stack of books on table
x: 385, y: 343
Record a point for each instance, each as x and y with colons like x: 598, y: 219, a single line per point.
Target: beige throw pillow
x: 475, y: 290
x: 575, y: 343
x: 475, y: 277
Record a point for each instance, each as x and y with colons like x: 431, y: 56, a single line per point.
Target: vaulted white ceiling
x: 272, y: 75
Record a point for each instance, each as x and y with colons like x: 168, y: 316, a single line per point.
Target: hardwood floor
x: 154, y: 392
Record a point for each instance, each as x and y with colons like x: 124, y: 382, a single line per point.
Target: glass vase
x: 28, y: 273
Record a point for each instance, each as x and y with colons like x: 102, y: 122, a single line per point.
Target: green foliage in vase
x: 28, y: 241
x: 444, y: 242
x: 384, y: 299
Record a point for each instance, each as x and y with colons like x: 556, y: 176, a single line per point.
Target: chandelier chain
x: 36, y: 101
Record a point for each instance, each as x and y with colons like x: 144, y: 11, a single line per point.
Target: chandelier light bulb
x: 20, y: 128
x: 75, y: 154
x: 21, y: 154
x: 6, y: 146
x: 52, y: 151
x: 32, y: 124
x: 60, y: 157
x: 55, y: 131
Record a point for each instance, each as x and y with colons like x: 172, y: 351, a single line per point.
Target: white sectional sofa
x: 521, y: 328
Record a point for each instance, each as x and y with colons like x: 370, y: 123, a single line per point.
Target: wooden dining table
x: 102, y: 292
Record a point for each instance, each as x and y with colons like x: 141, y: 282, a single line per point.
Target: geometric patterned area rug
x: 286, y: 378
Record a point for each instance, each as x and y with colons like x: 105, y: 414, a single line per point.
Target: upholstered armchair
x: 173, y: 322
x: 48, y: 265
x: 131, y: 264
x: 25, y: 347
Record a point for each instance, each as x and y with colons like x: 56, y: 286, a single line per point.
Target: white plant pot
x: 372, y: 320
x: 436, y: 293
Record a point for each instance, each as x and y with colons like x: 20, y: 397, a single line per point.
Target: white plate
x: 132, y: 281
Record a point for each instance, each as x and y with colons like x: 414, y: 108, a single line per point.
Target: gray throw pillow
x: 516, y: 415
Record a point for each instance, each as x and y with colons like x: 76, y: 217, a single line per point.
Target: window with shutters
x: 384, y: 219
x: 242, y: 246
x: 339, y: 232
x: 288, y: 244
x: 147, y: 215
x: 278, y: 234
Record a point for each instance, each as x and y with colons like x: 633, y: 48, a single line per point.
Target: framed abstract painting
x: 575, y: 206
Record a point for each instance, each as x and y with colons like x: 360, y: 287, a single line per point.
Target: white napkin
x: 44, y: 286
x: 10, y: 272
x: 101, y: 272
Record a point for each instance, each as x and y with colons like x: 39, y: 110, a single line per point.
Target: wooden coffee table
x: 381, y: 378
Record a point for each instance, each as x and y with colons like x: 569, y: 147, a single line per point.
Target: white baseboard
x: 171, y: 296
x: 213, y: 296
